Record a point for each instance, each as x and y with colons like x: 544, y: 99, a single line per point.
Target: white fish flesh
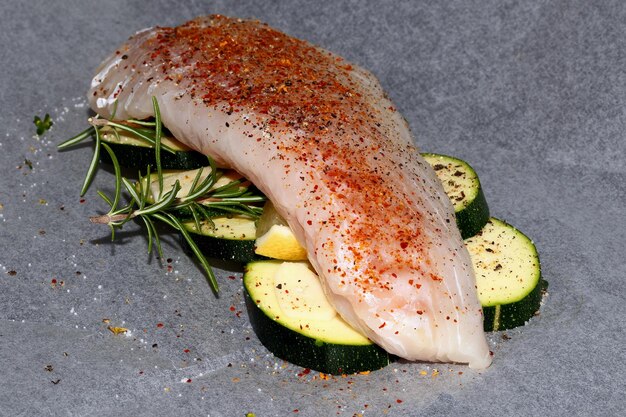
x: 320, y: 138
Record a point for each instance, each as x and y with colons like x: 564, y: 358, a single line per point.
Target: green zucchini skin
x: 471, y: 214
x: 140, y: 157
x: 309, y: 352
x: 240, y: 251
x: 474, y: 217
x: 236, y: 247
x: 509, y: 316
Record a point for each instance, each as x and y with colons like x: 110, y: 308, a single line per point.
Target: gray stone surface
x: 531, y: 93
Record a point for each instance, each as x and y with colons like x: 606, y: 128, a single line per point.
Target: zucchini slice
x: 186, y: 179
x: 133, y: 152
x: 229, y: 238
x: 229, y: 181
x: 462, y: 186
x: 293, y: 319
x: 508, y: 275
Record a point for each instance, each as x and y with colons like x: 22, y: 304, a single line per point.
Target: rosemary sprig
x: 159, y: 210
x: 203, y: 201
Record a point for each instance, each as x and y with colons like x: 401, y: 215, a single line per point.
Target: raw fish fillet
x: 321, y: 139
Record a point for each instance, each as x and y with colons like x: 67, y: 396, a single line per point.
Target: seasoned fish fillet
x: 319, y: 137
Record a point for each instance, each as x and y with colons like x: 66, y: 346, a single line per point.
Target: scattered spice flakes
x: 28, y: 163
x: 117, y: 330
x: 12, y: 273
x: 43, y: 202
x: 49, y: 368
x: 106, y: 320
x: 56, y: 381
x: 423, y: 373
x: 54, y: 282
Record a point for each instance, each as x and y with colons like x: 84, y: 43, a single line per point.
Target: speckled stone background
x: 531, y: 93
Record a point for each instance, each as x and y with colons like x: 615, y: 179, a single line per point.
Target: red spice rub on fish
x: 318, y: 136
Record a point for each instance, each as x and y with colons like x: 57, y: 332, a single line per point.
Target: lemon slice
x: 275, y: 239
x: 280, y: 243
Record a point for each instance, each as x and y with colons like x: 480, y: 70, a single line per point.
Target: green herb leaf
x: 118, y: 176
x: 90, y: 131
x: 42, y: 125
x: 196, y: 251
x: 157, y: 142
x: 93, y: 166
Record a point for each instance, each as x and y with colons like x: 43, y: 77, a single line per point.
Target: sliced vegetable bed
x: 506, y: 263
x: 286, y: 304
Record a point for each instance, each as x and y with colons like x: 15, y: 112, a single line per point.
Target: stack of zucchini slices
x: 285, y: 301
x: 506, y: 262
